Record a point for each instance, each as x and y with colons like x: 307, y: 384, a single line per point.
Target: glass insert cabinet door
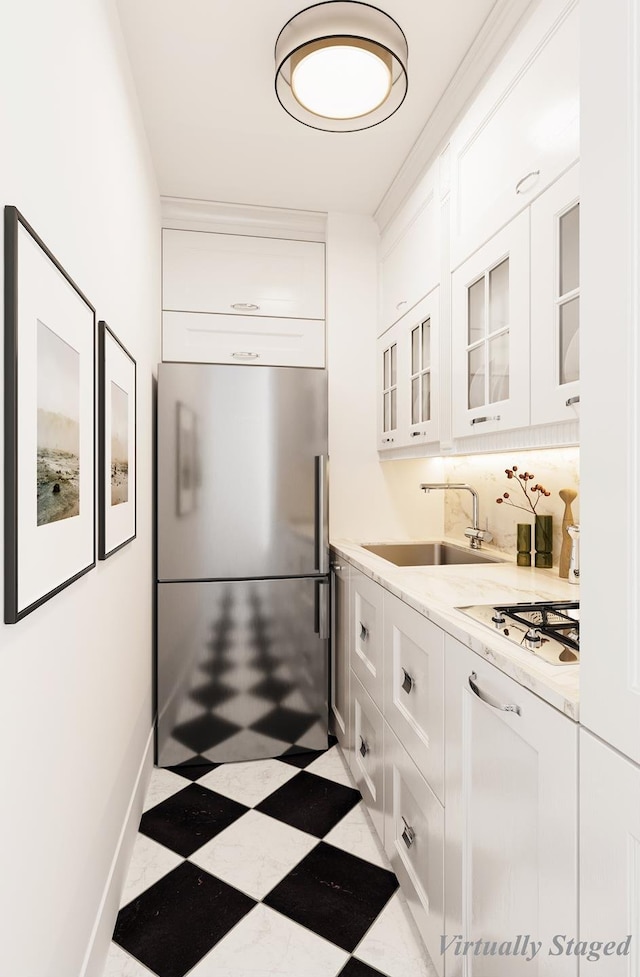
x: 389, y: 402
x: 490, y: 337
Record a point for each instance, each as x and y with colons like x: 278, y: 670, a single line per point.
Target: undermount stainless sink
x: 436, y: 554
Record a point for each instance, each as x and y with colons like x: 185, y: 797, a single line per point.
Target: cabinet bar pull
x: 336, y: 566
x: 408, y: 834
x: 407, y: 682
x: 246, y: 356
x: 364, y: 632
x: 387, y: 440
x: 401, y: 303
x: 245, y: 306
x: 524, y: 180
x: 572, y: 400
x: 416, y: 434
x: 489, y: 699
x: 364, y: 748
x: 481, y: 420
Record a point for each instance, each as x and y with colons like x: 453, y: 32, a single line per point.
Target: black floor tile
x: 203, y: 733
x: 173, y: 924
x: 212, y: 694
x: 195, y: 768
x: 300, y: 758
x: 187, y: 820
x: 356, y: 968
x: 285, y: 724
x: 310, y: 803
x: 334, y: 893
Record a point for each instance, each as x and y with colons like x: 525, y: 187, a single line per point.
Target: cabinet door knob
x: 520, y: 188
x: 407, y: 682
x: 364, y: 749
x: 408, y: 834
x: 489, y: 699
x: 364, y: 632
x: 416, y: 434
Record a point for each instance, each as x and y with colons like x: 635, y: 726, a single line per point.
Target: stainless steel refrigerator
x: 242, y: 553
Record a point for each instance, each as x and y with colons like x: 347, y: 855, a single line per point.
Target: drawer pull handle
x: 407, y: 682
x: 364, y: 748
x: 336, y: 567
x: 482, y: 420
x: 364, y: 632
x: 572, y: 400
x: 416, y: 434
x: 524, y: 179
x: 246, y: 356
x: 408, y: 834
x: 489, y: 699
x: 401, y: 303
x: 245, y: 306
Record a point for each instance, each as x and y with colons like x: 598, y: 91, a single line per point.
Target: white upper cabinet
x: 555, y: 302
x: 410, y: 254
x: 490, y: 335
x: 242, y: 275
x: 522, y: 131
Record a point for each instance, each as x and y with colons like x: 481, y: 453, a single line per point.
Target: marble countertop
x: 436, y: 592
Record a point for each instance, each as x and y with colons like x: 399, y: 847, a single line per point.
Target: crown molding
x: 230, y: 218
x: 505, y: 17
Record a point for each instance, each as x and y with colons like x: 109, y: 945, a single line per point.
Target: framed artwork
x: 117, y: 443
x: 49, y: 410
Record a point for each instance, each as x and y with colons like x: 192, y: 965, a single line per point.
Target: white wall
x: 75, y: 675
x: 369, y: 500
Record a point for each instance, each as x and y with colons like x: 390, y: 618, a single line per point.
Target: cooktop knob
x: 533, y: 639
x: 498, y: 618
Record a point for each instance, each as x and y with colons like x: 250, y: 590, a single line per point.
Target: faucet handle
x: 477, y: 537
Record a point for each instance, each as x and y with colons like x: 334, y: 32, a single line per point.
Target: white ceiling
x: 204, y: 71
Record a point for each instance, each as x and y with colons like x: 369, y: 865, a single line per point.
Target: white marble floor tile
x: 163, y: 784
x: 254, y: 853
x: 121, y: 964
x: 332, y: 766
x: 149, y: 862
x: 355, y: 835
x: 266, y: 944
x: 392, y: 943
x: 249, y: 782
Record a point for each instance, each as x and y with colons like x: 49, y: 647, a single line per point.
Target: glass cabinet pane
x: 386, y: 413
x: 570, y: 341
x: 394, y: 416
x: 393, y: 365
x: 476, y: 311
x: 415, y: 350
x: 415, y: 401
x: 386, y: 358
x: 499, y: 296
x: 426, y: 344
x: 570, y: 250
x: 476, y: 377
x: 426, y: 397
x: 499, y: 368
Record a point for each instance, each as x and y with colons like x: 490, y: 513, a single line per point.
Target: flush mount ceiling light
x: 341, y: 66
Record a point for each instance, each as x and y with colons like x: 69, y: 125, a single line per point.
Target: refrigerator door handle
x: 321, y: 609
x: 320, y: 529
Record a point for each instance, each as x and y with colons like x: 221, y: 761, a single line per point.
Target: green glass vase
x: 544, y: 541
x: 523, y: 558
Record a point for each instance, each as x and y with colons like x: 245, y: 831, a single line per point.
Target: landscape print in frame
x: 49, y: 403
x: 117, y: 445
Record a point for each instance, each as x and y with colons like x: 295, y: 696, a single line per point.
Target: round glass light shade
x: 341, y: 66
x: 341, y: 78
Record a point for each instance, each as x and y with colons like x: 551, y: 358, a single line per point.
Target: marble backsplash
x: 555, y: 468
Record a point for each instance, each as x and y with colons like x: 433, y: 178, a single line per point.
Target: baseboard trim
x: 93, y: 963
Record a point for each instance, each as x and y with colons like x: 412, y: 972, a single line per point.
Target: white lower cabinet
x: 414, y: 687
x: 511, y: 826
x: 609, y: 857
x: 367, y: 756
x: 414, y: 842
x: 366, y: 634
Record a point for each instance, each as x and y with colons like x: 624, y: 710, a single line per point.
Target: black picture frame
x: 49, y: 420
x: 117, y: 489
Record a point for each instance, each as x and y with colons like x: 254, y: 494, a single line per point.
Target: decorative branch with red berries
x: 522, y: 481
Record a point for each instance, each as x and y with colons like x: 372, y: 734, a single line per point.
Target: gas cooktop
x: 548, y: 629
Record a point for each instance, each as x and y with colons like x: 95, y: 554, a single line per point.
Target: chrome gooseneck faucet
x: 474, y: 534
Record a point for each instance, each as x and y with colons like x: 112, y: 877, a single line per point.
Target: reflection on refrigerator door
x: 242, y: 670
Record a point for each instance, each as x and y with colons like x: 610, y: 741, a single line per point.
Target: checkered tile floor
x: 266, y: 868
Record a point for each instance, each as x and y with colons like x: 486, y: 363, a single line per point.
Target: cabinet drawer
x: 204, y: 272
x: 414, y: 687
x: 520, y: 134
x: 366, y: 646
x: 193, y: 337
x: 367, y: 755
x: 414, y: 842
